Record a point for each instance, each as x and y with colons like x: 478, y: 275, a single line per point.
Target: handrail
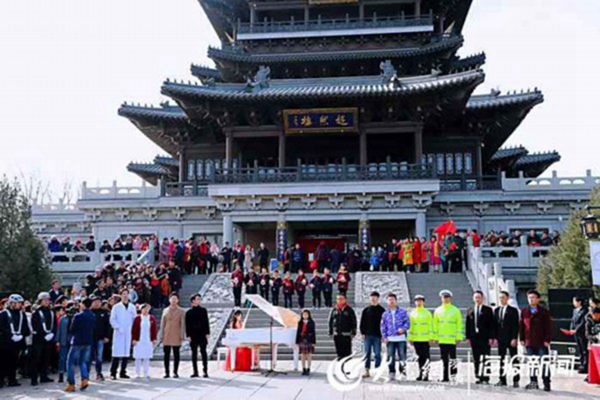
x: 521, y: 257
x: 333, y: 24
x: 330, y: 172
x: 147, y: 257
x: 89, y: 260
x: 489, y: 278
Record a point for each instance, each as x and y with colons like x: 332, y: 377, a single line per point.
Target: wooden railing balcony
x: 324, y: 173
x: 247, y: 30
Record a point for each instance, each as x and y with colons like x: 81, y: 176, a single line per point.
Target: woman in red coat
x: 417, y: 254
x: 143, y: 335
x: 343, y: 279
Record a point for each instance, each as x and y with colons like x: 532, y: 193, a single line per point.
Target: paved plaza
x: 226, y: 385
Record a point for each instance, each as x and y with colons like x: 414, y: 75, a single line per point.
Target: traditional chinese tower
x: 326, y: 82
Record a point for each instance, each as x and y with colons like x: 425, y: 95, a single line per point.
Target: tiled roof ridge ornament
x: 388, y: 72
x: 261, y: 80
x: 495, y: 92
x: 436, y: 71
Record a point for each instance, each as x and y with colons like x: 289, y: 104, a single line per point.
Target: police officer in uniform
x: 14, y: 328
x: 448, y: 332
x: 420, y: 334
x: 43, y: 323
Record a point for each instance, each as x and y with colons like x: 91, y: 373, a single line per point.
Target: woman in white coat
x: 144, y: 335
x: 121, y: 320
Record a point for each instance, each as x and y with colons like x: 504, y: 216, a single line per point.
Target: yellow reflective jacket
x: 447, y: 324
x: 421, y: 325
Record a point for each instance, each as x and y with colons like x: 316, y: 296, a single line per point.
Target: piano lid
x: 284, y: 316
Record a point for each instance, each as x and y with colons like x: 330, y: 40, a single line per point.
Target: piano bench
x: 221, y: 351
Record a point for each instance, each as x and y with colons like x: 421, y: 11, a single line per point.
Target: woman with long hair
x: 237, y: 320
x: 243, y: 354
x: 306, y: 340
x: 435, y: 254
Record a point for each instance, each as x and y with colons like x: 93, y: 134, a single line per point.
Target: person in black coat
x: 506, y: 320
x: 264, y: 282
x: 13, y: 331
x: 251, y: 280
x: 262, y: 255
x: 328, y: 280
x: 43, y: 322
x: 197, y: 328
x: 175, y: 278
x: 276, y: 283
x: 55, y: 291
x: 480, y: 332
x: 342, y: 326
x: 297, y: 259
x: 102, y: 335
x: 306, y: 339
x: 370, y: 329
x: 316, y: 285
x: 578, y: 330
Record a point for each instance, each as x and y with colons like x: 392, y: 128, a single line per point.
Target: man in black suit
x: 480, y: 332
x: 197, y: 328
x: 507, y: 335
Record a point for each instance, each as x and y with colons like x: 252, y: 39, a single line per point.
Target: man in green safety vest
x: 448, y: 332
x: 420, y: 334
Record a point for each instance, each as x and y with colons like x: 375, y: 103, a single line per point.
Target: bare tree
x: 39, y: 190
x: 35, y: 188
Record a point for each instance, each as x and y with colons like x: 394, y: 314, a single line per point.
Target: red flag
x: 445, y: 228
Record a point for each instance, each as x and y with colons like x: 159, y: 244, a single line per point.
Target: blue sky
x: 67, y: 65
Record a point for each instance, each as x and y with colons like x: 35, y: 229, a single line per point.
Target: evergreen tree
x: 568, y: 264
x: 24, y: 260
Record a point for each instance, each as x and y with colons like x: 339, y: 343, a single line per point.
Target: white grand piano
x: 284, y: 333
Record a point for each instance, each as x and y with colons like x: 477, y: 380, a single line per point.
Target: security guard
x: 420, y: 334
x: 14, y: 328
x: 44, y: 327
x: 448, y: 332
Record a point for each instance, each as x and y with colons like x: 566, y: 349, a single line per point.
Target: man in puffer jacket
x: 395, y: 324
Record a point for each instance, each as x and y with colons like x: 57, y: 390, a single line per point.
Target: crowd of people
x: 109, y: 316
x: 57, y: 333
x: 270, y: 285
x: 483, y: 327
x: 517, y: 238
x: 437, y: 253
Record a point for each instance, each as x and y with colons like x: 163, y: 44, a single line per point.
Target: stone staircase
x: 191, y: 284
x: 324, y: 349
x: 429, y: 285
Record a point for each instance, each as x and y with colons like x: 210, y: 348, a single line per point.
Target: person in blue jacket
x: 395, y: 324
x: 82, y: 331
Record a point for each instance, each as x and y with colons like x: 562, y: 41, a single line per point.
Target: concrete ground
x: 226, y: 385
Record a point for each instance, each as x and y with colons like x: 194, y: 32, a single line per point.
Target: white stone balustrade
x: 87, y: 262
x: 54, y: 208
x: 553, y: 183
x: 489, y: 278
x: 120, y: 192
x: 517, y: 259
